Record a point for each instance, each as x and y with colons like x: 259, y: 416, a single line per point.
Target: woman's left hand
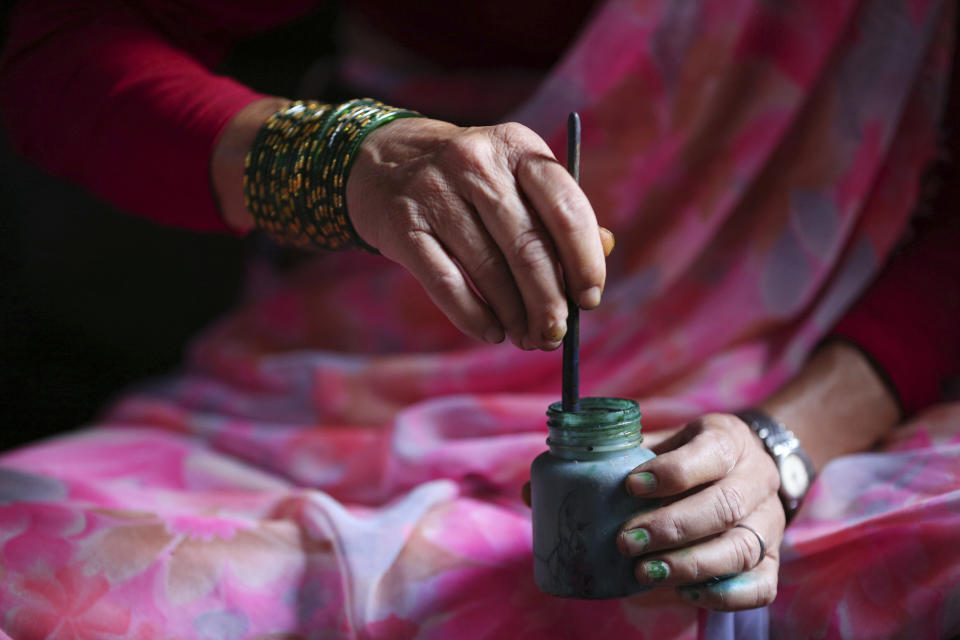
x: 713, y: 475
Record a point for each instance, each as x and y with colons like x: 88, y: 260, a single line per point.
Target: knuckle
x: 745, y: 551
x: 468, y: 151
x: 529, y: 250
x: 415, y: 234
x: 735, y: 428
x: 771, y: 475
x: 674, y: 530
x: 696, y: 570
x: 728, y: 421
x: 562, y: 208
x: 725, y: 449
x: 696, y: 427
x: 489, y: 265
x: 514, y: 134
x: 492, y: 278
x: 529, y: 171
x: 779, y: 515
x: 444, y: 283
x: 772, y: 508
x: 490, y: 272
x: 766, y: 592
x: 730, y: 505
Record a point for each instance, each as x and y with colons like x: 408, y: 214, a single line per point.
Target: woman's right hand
x: 481, y: 210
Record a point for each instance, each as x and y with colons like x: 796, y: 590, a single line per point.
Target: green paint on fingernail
x: 640, y: 537
x: 690, y: 594
x: 656, y: 570
x: 643, y: 482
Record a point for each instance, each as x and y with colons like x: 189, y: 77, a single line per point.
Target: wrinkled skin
x: 713, y: 474
x: 480, y: 210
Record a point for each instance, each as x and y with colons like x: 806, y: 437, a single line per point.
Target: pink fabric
x: 336, y: 460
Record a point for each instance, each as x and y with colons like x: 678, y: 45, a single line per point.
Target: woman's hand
x: 713, y: 475
x: 487, y: 220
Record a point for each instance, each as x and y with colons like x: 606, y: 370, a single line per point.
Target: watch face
x: 794, y: 479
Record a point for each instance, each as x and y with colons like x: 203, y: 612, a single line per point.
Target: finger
x: 655, y: 439
x: 565, y: 211
x: 528, y: 251
x: 607, y: 240
x: 471, y: 245
x: 736, y: 550
x: 705, y: 450
x: 756, y: 588
x: 525, y: 494
x: 679, y: 438
x: 446, y: 285
x: 712, y: 510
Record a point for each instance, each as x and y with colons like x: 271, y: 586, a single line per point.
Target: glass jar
x: 579, y: 499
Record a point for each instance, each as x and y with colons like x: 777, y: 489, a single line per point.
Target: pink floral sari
x: 334, y: 460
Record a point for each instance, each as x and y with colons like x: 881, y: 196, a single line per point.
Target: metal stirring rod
x: 571, y: 341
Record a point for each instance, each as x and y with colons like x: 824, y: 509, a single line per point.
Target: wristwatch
x: 793, y: 463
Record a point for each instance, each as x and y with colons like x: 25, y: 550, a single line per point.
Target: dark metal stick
x: 571, y: 341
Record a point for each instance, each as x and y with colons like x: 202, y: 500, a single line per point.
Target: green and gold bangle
x: 295, y: 176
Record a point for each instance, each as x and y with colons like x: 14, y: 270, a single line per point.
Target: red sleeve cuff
x: 908, y: 321
x: 94, y: 94
x: 910, y: 376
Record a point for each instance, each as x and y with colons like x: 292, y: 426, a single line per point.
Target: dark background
x: 92, y: 299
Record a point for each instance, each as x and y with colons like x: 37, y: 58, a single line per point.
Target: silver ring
x: 763, y: 545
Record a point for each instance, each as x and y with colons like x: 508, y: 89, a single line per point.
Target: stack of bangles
x: 295, y: 176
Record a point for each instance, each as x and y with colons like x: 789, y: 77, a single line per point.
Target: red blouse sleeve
x: 119, y: 97
x: 908, y: 321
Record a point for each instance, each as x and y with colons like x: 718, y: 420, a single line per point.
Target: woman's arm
x: 229, y: 156
x: 119, y: 96
x: 836, y: 405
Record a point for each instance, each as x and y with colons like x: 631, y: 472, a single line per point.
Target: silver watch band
x: 780, y: 443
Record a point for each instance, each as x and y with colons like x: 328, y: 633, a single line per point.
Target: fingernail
x: 607, y: 240
x: 494, y: 335
x: 689, y: 594
x: 642, y: 483
x: 590, y: 298
x: 554, y: 333
x: 655, y: 570
x: 635, y: 541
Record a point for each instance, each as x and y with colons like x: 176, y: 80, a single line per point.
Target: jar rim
x: 601, y: 426
x: 594, y: 411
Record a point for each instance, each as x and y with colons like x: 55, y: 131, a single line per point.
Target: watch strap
x: 780, y: 443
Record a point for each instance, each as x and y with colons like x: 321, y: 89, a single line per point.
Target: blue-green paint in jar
x: 580, y: 501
